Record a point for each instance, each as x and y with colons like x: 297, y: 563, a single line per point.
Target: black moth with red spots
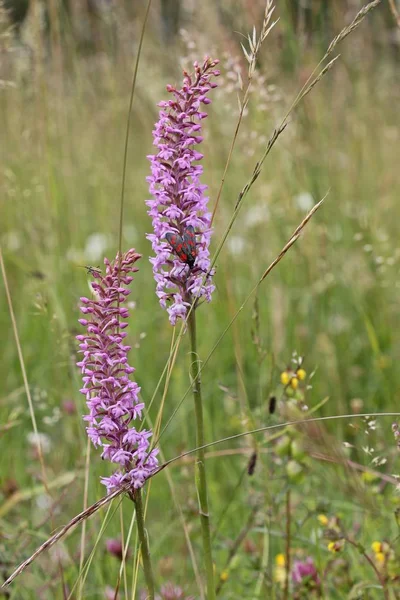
x: 184, y: 246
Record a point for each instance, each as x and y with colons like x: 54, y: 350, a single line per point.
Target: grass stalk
x: 201, y: 479
x: 128, y: 125
x: 287, y: 547
x: 144, y: 543
x: 156, y: 429
x: 85, y: 505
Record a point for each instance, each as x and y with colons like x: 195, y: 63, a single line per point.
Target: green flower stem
x: 144, y: 543
x: 201, y: 480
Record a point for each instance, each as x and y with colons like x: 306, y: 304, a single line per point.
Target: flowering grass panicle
x: 111, y: 396
x: 179, y: 206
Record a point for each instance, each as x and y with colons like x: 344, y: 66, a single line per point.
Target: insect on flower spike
x: 184, y: 245
x: 180, y: 217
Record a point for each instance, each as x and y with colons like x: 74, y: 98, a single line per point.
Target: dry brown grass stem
x: 82, y: 516
x: 296, y: 423
x: 305, y: 90
x: 308, y: 86
x: 294, y: 237
x: 350, y: 463
x: 251, y: 57
x: 106, y: 499
x: 323, y: 72
x: 254, y: 43
x: 355, y: 23
x: 395, y: 12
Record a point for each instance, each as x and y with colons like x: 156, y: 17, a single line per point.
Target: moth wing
x: 189, y: 237
x: 189, y: 240
x: 172, y: 238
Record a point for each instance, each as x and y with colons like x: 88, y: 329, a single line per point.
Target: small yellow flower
x: 332, y: 547
x: 301, y: 374
x: 323, y: 519
x: 280, y: 560
x: 224, y: 576
x: 336, y: 546
x: 294, y: 382
x: 285, y: 378
x: 380, y: 557
x: 376, y: 547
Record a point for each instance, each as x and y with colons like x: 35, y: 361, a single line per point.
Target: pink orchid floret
x: 111, y: 396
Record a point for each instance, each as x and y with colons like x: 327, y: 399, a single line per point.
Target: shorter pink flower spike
x: 111, y: 396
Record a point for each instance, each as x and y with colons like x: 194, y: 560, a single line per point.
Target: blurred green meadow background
x: 66, y: 76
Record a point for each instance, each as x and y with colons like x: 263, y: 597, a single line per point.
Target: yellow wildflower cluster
x: 383, y: 554
x: 292, y: 378
x: 332, y: 525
